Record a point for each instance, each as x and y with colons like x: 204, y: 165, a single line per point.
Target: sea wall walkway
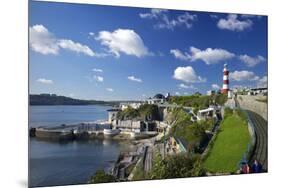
x: 252, y: 103
x: 260, y: 126
x: 260, y: 152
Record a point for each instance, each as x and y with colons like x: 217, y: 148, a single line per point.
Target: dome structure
x: 159, y: 96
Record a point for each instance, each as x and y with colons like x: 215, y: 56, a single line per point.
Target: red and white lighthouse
x: 225, y: 86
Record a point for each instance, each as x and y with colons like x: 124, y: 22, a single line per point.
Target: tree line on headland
x: 53, y: 99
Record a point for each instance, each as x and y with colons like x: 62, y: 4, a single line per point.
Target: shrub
x: 144, y: 112
x: 101, y: 177
x: 220, y: 98
x: 176, y: 166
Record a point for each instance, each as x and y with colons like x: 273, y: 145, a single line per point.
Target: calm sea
x: 53, y: 163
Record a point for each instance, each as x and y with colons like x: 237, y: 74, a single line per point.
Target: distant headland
x: 53, y: 99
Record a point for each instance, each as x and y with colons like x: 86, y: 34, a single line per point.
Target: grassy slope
x: 229, y: 146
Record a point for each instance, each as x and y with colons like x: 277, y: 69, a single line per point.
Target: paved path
x: 260, y: 151
x: 148, y: 160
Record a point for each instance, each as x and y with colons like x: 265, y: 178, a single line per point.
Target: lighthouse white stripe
x: 225, y: 77
x: 225, y: 86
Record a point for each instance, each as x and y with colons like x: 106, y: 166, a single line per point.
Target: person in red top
x: 245, y: 169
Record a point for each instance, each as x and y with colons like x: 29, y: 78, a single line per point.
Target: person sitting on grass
x: 256, y: 167
x: 245, y: 169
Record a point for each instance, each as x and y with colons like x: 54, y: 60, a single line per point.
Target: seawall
x: 251, y: 103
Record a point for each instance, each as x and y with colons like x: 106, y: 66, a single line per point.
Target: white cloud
x: 243, y: 75
x: 42, y: 41
x: 177, y: 93
x: 214, y: 16
x: 75, y: 47
x: 252, y: 61
x: 262, y: 82
x: 164, y: 22
x: 98, y: 78
x: 45, y: 81
x: 132, y: 78
x: 184, y: 86
x: 187, y: 74
x: 233, y: 24
x: 109, y: 89
x: 92, y: 34
x: 239, y: 86
x: 97, y: 70
x: 250, y: 16
x: 209, y: 55
x: 154, y: 13
x: 215, y: 86
x: 123, y: 41
x: 180, y: 55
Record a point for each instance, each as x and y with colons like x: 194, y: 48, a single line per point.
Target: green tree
x: 220, y: 98
x: 101, y: 177
x: 149, y: 112
x: 176, y: 166
x: 144, y: 112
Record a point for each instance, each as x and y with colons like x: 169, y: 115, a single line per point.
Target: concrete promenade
x: 252, y: 103
x: 260, y: 152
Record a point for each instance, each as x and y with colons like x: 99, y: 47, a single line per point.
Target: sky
x: 124, y: 53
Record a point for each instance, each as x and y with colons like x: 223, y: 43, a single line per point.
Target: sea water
x: 54, y: 163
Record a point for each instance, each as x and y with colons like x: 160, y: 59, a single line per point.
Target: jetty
x: 82, y: 131
x: 70, y: 132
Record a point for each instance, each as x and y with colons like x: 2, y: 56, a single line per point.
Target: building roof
x: 255, y: 89
x: 159, y: 96
x: 206, y: 110
x: 113, y: 110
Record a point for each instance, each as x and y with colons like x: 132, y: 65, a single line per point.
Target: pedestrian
x: 246, y: 169
x: 256, y: 167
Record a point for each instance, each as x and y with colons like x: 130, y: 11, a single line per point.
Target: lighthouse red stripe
x: 226, y: 82
x: 224, y: 91
x: 225, y: 72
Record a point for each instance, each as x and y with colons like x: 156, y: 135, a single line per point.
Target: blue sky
x: 120, y: 53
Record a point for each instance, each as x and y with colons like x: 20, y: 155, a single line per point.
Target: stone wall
x: 249, y: 102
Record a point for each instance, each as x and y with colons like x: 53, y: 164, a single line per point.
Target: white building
x: 210, y: 112
x: 134, y: 105
x: 210, y: 92
x: 112, y: 115
x: 157, y: 99
x: 258, y: 91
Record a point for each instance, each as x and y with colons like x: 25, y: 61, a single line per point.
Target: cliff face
x: 254, y: 104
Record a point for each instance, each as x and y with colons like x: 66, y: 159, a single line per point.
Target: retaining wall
x: 249, y: 102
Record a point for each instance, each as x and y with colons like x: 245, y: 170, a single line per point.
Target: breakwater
x: 84, y: 131
x: 70, y: 132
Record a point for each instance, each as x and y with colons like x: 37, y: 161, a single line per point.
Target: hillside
x: 52, y: 99
x: 230, y: 144
x: 144, y: 112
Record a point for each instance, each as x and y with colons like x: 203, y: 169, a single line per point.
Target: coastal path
x: 148, y: 159
x: 260, y: 150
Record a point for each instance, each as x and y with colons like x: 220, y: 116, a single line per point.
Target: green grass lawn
x: 229, y: 146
